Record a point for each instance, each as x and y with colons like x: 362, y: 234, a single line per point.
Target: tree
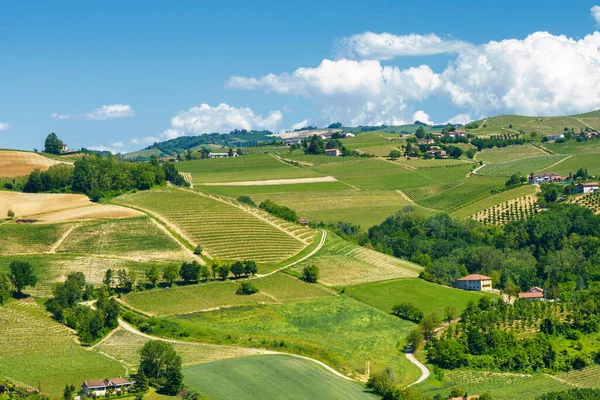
x: 152, y: 275
x: 204, y: 272
x: 407, y: 311
x: 310, y: 274
x: 53, y: 145
x: 10, y: 214
x: 198, y: 250
x: 382, y: 382
x: 335, y: 125
x: 170, y: 273
x: 428, y: 325
x: 161, y: 364
x: 4, y: 289
x: 237, y: 269
x: 450, y: 312
x: 395, y: 154
x: 414, y: 339
x: 125, y: 281
x: 22, y: 275
x: 247, y: 288
x: 190, y: 272
x: 470, y: 153
x: 250, y: 267
x: 141, y: 382
x: 108, y: 278
x: 69, y: 392
x: 223, y: 271
x: 420, y: 132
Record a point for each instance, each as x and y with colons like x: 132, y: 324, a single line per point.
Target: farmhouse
x: 303, y: 221
x: 167, y: 159
x: 293, y: 141
x: 535, y: 293
x: 589, y: 187
x: 474, y: 282
x: 332, y: 152
x: 348, y: 134
x: 547, y: 178
x: 99, y: 387
x: 65, y: 148
x: 437, y: 153
x: 556, y: 137
x: 222, y: 155
x: 427, y: 141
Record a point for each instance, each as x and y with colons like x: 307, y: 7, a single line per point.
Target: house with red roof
x: 535, y: 293
x: 100, y: 387
x: 477, y: 282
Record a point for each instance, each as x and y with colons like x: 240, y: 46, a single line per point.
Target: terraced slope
x: 21, y: 163
x: 522, y: 207
x: 344, y: 263
x: 419, y: 193
x: 224, y: 229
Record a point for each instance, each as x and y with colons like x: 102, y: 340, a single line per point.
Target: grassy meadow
x: 269, y: 378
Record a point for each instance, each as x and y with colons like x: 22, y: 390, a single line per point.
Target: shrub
x: 279, y: 211
x: 310, y: 274
x: 408, y: 311
x: 247, y: 288
x: 246, y: 200
x: 198, y: 250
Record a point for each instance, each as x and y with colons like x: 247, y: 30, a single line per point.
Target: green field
x: 34, y: 348
x: 133, y: 235
x: 29, y: 238
x: 275, y: 288
x: 471, y: 189
x: 493, y: 200
x: 270, y: 377
x: 428, y: 297
x: 502, y: 154
x: 591, y: 162
x: 573, y: 147
x: 247, y: 168
x: 372, y: 140
x: 342, y: 332
x: 524, y: 166
x: 541, y: 125
x: 224, y: 230
x: 343, y: 263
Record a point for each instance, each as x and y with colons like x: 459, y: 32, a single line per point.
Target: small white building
x: 589, y: 187
x: 348, y: 134
x: 99, y: 387
x: 222, y: 155
x: 332, y: 152
x: 65, y: 148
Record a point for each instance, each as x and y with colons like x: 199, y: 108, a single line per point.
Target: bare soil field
x: 275, y: 182
x: 90, y: 212
x: 20, y: 163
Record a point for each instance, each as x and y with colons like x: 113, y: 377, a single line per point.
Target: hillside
x: 20, y: 163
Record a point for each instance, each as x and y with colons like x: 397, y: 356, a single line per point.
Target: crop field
x: 587, y: 377
x: 29, y: 238
x: 423, y: 192
x: 224, y: 230
x: 512, y: 210
x: 343, y: 263
x: 502, y: 386
x: 502, y: 154
x: 572, y: 147
x: 433, y: 163
x: 132, y: 237
x: 276, y: 288
x: 299, y: 189
x: 379, y: 151
x: 25, y: 204
x: 470, y: 190
x: 371, y: 140
x: 268, y: 377
x: 541, y: 125
x: 494, y: 200
x: 125, y: 346
x: 342, y: 332
x: 253, y: 168
x: 589, y: 200
x: 427, y: 296
x: 21, y: 163
x: 591, y: 162
x: 34, y: 348
x: 523, y: 166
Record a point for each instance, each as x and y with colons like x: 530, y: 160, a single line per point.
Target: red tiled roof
x: 94, y: 383
x: 475, y: 277
x: 119, y: 381
x: 531, y: 295
x: 589, y: 184
x: 535, y: 289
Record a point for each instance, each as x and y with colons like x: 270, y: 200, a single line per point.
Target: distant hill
x: 540, y: 125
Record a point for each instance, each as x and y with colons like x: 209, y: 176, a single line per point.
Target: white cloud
x: 422, y: 116
x: 102, y: 113
x: 117, y: 144
x: 300, y: 125
x: 222, y: 118
x: 148, y: 140
x: 459, y: 119
x: 4, y: 126
x: 596, y: 13
x: 353, y: 92
x: 105, y: 148
x: 386, y: 46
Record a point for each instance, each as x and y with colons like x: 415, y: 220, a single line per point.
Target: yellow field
x: 21, y: 163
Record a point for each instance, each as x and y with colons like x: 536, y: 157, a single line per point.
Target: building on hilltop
x: 589, y: 187
x: 535, y: 293
x: 477, y: 282
x: 556, y: 137
x: 333, y: 152
x: 65, y: 148
x: 546, y: 178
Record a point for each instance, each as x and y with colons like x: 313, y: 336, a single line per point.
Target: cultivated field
x: 276, y: 288
x: 512, y: 210
x: 29, y: 238
x: 587, y: 377
x: 224, y: 230
x: 34, y: 348
x: 540, y: 125
x: 423, y: 192
x: 502, y: 154
x: 342, y: 332
x: 268, y: 377
x: 468, y: 191
x: 494, y: 200
x: 343, y: 263
x: 427, y: 296
x: 589, y: 200
x: 21, y: 163
x: 523, y: 166
x: 589, y: 162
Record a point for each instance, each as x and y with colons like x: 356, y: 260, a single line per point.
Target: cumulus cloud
x: 301, y: 124
x: 102, y: 113
x: 596, y: 13
x: 422, y: 116
x: 386, y: 46
x: 4, y: 126
x: 222, y: 118
x: 354, y: 92
x: 112, y: 149
x: 148, y: 140
x: 459, y: 119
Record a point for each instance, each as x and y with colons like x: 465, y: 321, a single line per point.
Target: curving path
x: 424, y: 370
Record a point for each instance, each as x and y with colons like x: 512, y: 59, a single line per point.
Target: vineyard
x: 29, y: 238
x: 587, y: 377
x: 224, y: 229
x: 423, y: 192
x: 512, y: 210
x: 589, y: 200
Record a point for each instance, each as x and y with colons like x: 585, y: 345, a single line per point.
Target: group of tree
x: 385, y: 384
x: 310, y: 273
x: 53, y: 145
x: 100, y: 177
x: 90, y: 323
x: 317, y: 146
x: 572, y: 394
x: 279, y: 211
x: 497, y: 141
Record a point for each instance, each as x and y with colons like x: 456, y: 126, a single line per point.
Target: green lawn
x: 206, y: 296
x: 342, y: 332
x: 269, y: 378
x: 34, y: 348
x: 246, y: 168
x: 523, y: 166
x: 494, y: 200
x: 427, y: 296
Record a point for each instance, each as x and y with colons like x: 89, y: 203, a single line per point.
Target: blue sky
x: 120, y: 75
